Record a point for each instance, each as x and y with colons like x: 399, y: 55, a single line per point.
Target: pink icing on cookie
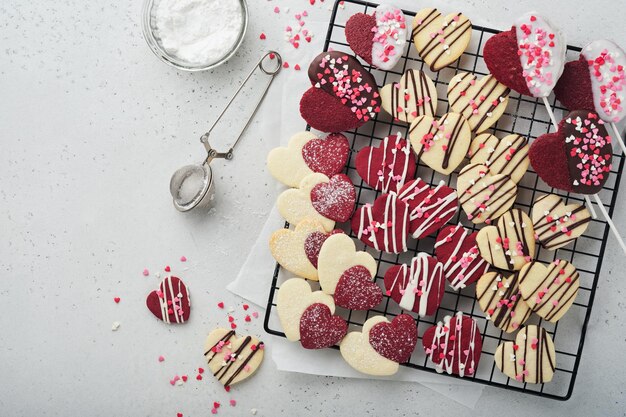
x: 335, y: 199
x: 319, y: 329
x: 396, y: 340
x: 356, y: 290
x: 384, y: 225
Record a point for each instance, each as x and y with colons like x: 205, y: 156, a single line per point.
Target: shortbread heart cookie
x: 454, y: 345
x: 305, y: 154
x: 576, y: 158
x: 508, y: 156
x: 384, y: 225
x: 511, y: 244
x: 396, y: 340
x: 440, y: 40
x: 232, y: 359
x: 597, y: 81
x: 344, y: 95
x: 441, y: 144
x: 482, y: 102
x: 456, y: 248
x: 530, y: 358
x: 501, y: 300
x: 549, y: 290
x: 356, y: 289
x: 388, y: 166
x: 289, y: 248
x: 484, y: 197
x: 335, y: 199
x: 429, y: 208
x: 293, y: 298
x: 319, y: 329
x: 379, y: 39
x: 313, y: 244
x: 295, y: 204
x: 357, y: 351
x: 529, y: 58
x: 170, y: 302
x: 418, y: 287
x: 415, y: 95
x: 557, y: 224
x: 339, y: 254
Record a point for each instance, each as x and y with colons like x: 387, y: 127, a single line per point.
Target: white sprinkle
x: 115, y: 326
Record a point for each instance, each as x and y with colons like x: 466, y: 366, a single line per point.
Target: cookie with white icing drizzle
x: 483, y: 196
x: 454, y: 345
x: 508, y: 155
x: 456, y: 248
x: 481, y: 101
x: 549, y: 290
x: 232, y: 359
x: 415, y: 95
x: 441, y: 144
x: 557, y: 224
x: 530, y: 358
x: 440, y: 40
x: 511, y: 244
x: 418, y: 287
x: 171, y: 302
x: 501, y: 300
x: 383, y: 225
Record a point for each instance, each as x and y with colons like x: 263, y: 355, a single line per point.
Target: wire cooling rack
x: 525, y: 116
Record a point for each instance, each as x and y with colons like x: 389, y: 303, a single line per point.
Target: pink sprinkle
x: 286, y: 64
x: 213, y: 410
x: 183, y: 259
x: 276, y: 9
x: 296, y: 67
x: 146, y: 272
x: 161, y: 358
x: 233, y: 403
x: 255, y: 314
x: 262, y: 36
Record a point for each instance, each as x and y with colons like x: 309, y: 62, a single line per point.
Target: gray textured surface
x: 92, y: 126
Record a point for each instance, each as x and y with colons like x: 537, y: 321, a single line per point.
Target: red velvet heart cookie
x: 313, y: 244
x: 170, y: 302
x: 462, y: 264
x: 573, y: 89
x: 344, y: 95
x: 319, y: 329
x: 418, y: 287
x: 396, y: 340
x: 388, y: 166
x: 384, y: 225
x: 328, y: 155
x: 577, y: 158
x: 356, y: 290
x: 454, y: 345
x: 429, y: 208
x: 334, y: 199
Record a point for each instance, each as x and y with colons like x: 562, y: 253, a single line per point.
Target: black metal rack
x: 525, y: 116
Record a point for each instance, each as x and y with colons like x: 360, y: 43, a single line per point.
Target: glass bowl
x: 148, y: 28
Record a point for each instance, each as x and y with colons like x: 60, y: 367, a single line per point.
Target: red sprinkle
x: 296, y: 67
x: 233, y: 326
x: 167, y: 268
x: 220, y: 304
x: 183, y: 258
x: 116, y: 299
x: 233, y: 403
x: 216, y: 404
x: 199, y: 377
x: 200, y: 370
x: 286, y: 64
x: 227, y: 388
x: 179, y: 414
x: 262, y: 37
x: 184, y: 378
x: 247, y: 318
x: 246, y: 306
x: 231, y: 319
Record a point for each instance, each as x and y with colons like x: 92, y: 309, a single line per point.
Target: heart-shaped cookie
x: 484, y: 197
x: 529, y: 58
x: 454, y: 345
x: 344, y: 95
x: 501, y: 300
x: 508, y: 155
x: 549, y: 290
x: 357, y: 351
x: 510, y: 244
x: 313, y: 245
x: 481, y: 101
x: 396, y: 340
x: 576, y: 158
x: 305, y: 154
x: 415, y: 95
x: 334, y: 199
x: 530, y: 358
x: 418, y: 287
x: 293, y: 298
x: 387, y: 166
x: 380, y: 39
x: 557, y: 224
x: 441, y: 144
x: 456, y: 248
x: 356, y: 290
x: 384, y: 225
x: 289, y: 248
x: 319, y: 329
x: 339, y: 254
x: 440, y: 40
x: 429, y: 208
x: 232, y: 359
x: 170, y: 302
x: 295, y: 204
x: 596, y: 81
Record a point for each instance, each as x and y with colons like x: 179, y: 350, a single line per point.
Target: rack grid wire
x: 525, y: 116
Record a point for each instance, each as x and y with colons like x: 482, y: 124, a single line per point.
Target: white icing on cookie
x: 389, y: 37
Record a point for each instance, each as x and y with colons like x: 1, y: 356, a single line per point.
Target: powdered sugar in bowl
x: 194, y: 35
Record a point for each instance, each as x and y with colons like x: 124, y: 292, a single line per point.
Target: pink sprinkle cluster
x: 295, y: 34
x: 586, y: 147
x: 612, y: 79
x: 536, y: 50
x: 386, y: 32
